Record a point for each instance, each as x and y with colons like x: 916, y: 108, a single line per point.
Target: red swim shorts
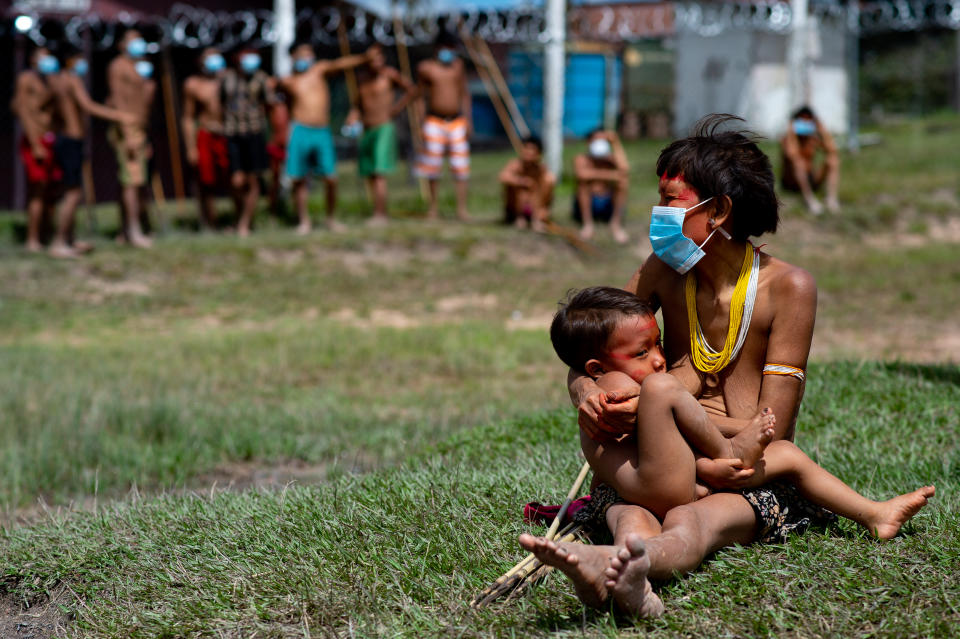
x: 40, y: 170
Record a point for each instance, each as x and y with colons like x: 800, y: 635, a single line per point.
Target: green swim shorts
x: 378, y: 150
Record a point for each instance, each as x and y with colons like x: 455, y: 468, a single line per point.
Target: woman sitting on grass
x: 713, y: 287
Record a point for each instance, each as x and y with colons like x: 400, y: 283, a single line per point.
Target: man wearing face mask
x: 310, y: 150
x: 202, y: 125
x: 34, y: 103
x: 447, y: 121
x: 602, y: 175
x: 246, y: 93
x: 805, y: 138
x: 74, y: 105
x: 132, y: 91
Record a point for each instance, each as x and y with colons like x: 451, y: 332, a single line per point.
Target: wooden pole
x: 501, y: 84
x: 173, y: 131
x: 492, y: 92
x: 349, y: 73
x: 403, y: 57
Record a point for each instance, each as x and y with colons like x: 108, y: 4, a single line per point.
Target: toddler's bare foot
x: 748, y: 444
x: 628, y: 583
x: 895, y: 512
x: 585, y: 565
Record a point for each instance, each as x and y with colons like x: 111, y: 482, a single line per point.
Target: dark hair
x: 730, y: 163
x: 445, y: 40
x: 299, y: 43
x: 803, y: 112
x: 534, y: 140
x: 585, y: 321
x: 67, y: 51
x: 594, y: 132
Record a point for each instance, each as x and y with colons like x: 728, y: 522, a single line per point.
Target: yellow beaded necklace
x: 704, y: 357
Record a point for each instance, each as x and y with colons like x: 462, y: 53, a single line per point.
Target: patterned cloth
x: 439, y: 136
x: 781, y: 511
x: 244, y: 100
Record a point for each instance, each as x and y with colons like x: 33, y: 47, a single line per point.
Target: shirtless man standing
x: 33, y: 102
x: 202, y: 125
x: 310, y: 149
x: 805, y: 136
x: 447, y: 121
x: 132, y: 92
x: 527, y: 187
x: 602, y: 175
x: 74, y: 104
x: 378, y: 107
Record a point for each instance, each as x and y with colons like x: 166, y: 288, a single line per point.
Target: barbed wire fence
x: 194, y: 27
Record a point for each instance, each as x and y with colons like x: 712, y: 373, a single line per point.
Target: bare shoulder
x: 425, y: 69
x: 788, y: 281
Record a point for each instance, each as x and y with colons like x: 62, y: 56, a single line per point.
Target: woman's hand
x: 604, y: 416
x: 728, y: 474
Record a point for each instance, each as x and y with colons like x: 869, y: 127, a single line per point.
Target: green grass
x: 404, y: 379
x: 399, y: 552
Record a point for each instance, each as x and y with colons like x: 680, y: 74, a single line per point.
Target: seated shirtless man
x: 602, y: 175
x: 527, y: 187
x: 805, y: 138
x: 614, y: 337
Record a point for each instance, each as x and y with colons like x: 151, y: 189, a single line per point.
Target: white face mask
x: 600, y: 148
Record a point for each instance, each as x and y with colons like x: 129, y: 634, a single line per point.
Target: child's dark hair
x: 803, y: 112
x: 730, y: 163
x: 534, y: 140
x: 445, y: 40
x: 585, y: 321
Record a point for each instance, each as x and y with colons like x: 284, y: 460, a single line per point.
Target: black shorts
x: 69, y: 155
x: 248, y: 153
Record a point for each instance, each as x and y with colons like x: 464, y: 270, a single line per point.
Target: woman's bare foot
x: 627, y: 580
x: 748, y: 444
x: 894, y: 513
x: 585, y: 565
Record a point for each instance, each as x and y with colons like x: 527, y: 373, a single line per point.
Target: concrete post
x: 554, y: 54
x: 284, y: 16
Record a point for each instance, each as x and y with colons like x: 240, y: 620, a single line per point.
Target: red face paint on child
x: 634, y: 348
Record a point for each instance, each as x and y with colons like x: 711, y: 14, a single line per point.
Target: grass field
x: 334, y: 435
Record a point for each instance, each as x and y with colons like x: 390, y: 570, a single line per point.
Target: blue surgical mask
x: 446, y: 56
x: 250, y: 62
x: 81, y: 67
x: 302, y: 64
x: 670, y: 244
x: 137, y: 47
x: 804, y: 127
x: 144, y: 68
x: 48, y: 64
x: 213, y: 63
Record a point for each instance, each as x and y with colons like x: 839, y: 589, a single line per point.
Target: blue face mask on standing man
x: 48, y: 65
x: 446, y: 56
x: 137, y: 48
x: 675, y: 249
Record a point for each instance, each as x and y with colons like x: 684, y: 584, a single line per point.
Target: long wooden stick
x: 403, y: 57
x: 173, y: 130
x: 492, y: 92
x: 498, y: 79
x: 571, y: 495
x: 349, y: 73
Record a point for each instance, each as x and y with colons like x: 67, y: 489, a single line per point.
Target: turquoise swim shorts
x: 310, y: 151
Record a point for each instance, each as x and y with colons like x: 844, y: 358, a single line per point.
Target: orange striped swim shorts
x: 442, y: 136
